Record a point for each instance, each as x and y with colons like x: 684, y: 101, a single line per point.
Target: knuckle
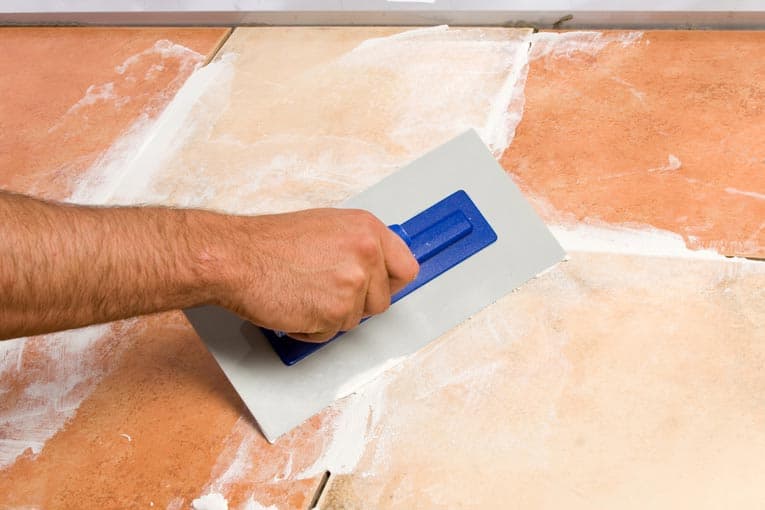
x: 355, y: 279
x: 367, y: 247
x: 366, y: 218
x: 367, y: 222
x: 333, y: 315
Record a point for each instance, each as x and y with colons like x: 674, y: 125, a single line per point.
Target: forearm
x: 311, y: 273
x: 64, y: 266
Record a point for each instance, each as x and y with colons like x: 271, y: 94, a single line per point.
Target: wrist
x: 210, y: 265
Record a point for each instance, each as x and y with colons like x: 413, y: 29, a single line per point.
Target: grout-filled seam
x: 222, y: 42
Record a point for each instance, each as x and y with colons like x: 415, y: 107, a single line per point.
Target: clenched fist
x: 314, y: 273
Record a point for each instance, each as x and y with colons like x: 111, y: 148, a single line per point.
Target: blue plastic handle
x: 439, y: 237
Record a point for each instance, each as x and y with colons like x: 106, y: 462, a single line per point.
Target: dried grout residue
x: 592, y: 135
x: 248, y: 469
x: 654, y: 131
x: 310, y: 134
x: 253, y: 132
x: 138, y: 68
x: 44, y: 401
x: 261, y: 131
x: 44, y: 379
x: 315, y: 132
x: 120, y: 173
x: 59, y: 121
x: 568, y: 44
x: 68, y: 110
x: 609, y: 367
x: 142, y: 67
x: 640, y: 240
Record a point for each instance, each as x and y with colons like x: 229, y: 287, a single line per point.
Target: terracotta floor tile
x: 69, y: 92
x: 162, y: 424
x: 664, y: 129
x: 301, y: 117
x: 612, y: 381
x: 246, y: 146
x: 596, y: 383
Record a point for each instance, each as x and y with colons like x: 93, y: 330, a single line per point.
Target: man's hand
x: 313, y: 273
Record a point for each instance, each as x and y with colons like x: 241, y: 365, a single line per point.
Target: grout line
x: 319, y: 490
x: 219, y: 46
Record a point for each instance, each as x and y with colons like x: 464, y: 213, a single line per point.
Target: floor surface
x: 630, y: 375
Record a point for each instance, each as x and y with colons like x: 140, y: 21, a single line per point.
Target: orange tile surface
x: 596, y: 383
x: 156, y: 411
x: 667, y: 132
x: 152, y: 431
x: 612, y: 381
x: 68, y: 93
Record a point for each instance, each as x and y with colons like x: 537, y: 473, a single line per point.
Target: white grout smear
x: 176, y: 504
x: 211, y: 501
x: 566, y: 44
x: 506, y: 108
x: 228, y: 470
x: 435, y: 99
x: 673, y: 163
x: 251, y: 504
x: 638, y: 94
x: 44, y: 406
x: 642, y: 240
x: 129, y: 164
x: 238, y: 467
x: 93, y: 95
x: 360, y: 380
x: 351, y: 428
x: 416, y: 34
x: 187, y: 59
x: 750, y: 194
x: 166, y: 50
